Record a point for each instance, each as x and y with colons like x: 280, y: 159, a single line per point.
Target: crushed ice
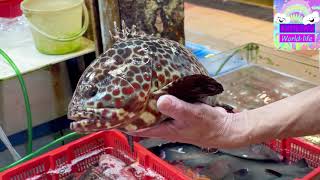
x: 114, y: 166
x: 67, y: 168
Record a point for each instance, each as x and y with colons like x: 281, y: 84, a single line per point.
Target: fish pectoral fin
x: 227, y: 107
x: 273, y: 172
x: 192, y: 88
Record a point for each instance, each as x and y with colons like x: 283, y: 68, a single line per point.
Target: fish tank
x: 254, y: 75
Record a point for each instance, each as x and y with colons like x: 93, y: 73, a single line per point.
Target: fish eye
x: 89, y: 91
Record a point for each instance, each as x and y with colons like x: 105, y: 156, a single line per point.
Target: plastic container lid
x: 10, y: 8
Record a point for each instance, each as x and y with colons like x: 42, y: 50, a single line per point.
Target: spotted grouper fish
x: 119, y: 90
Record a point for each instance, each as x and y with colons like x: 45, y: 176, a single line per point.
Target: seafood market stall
x: 287, y: 158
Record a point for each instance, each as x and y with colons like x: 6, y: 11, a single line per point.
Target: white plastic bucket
x: 56, y: 25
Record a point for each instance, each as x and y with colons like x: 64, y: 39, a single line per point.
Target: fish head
x: 113, y: 90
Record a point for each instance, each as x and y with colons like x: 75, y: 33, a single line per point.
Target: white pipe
x: 9, y: 146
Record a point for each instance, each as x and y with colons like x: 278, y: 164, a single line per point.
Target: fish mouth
x: 87, y: 121
x: 87, y: 126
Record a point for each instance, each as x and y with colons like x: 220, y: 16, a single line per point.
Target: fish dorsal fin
x: 192, y: 88
x: 125, y: 32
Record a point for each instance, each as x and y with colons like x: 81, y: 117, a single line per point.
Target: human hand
x: 198, y: 124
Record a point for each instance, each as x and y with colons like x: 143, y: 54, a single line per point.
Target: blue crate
x: 212, y: 64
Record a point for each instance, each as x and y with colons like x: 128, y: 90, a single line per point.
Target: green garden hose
x: 42, y: 150
x: 225, y: 62
x: 26, y: 98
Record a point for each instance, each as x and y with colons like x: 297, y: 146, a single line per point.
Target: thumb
x: 162, y: 130
x: 176, y: 108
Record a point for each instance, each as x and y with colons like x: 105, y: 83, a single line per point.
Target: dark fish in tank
x: 224, y: 166
x: 152, y: 142
x: 229, y: 167
x: 254, y: 152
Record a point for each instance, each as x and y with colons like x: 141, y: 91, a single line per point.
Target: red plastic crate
x: 294, y: 149
x: 10, y: 8
x: 91, y: 143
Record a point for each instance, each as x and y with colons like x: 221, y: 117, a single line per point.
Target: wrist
x: 237, y: 130
x: 245, y: 130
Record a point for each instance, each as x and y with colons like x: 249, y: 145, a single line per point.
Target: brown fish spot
x: 126, y: 53
x: 134, y: 69
x: 175, y: 77
x: 145, y: 60
x: 147, y: 77
x: 154, y: 73
x: 161, y: 78
x: 118, y: 60
x: 143, y: 69
x: 138, y: 42
x: 156, y: 84
x: 139, y: 51
x: 116, y: 92
x: 107, y: 97
x: 98, y: 71
x: 167, y: 73
x: 139, y: 78
x: 110, y: 88
x: 153, y: 48
x: 167, y: 55
x: 90, y: 103
x: 111, y: 52
x: 161, y: 42
x: 161, y: 51
x: 100, y: 77
x: 145, y: 87
x: 136, y: 85
x: 114, y: 115
x: 117, y: 103
x: 104, y: 112
x: 115, y: 81
x: 99, y: 105
x: 120, y: 51
x: 158, y: 67
x: 96, y: 65
x: 122, y: 45
x: 123, y: 83
x: 130, y: 73
x: 163, y: 62
x: 127, y: 90
x: 102, y: 60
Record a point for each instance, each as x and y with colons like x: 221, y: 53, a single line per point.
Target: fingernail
x: 164, y: 103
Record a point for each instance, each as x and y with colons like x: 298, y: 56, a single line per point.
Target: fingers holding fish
x: 178, y: 109
x: 184, y: 113
x: 165, y: 130
x: 199, y: 124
